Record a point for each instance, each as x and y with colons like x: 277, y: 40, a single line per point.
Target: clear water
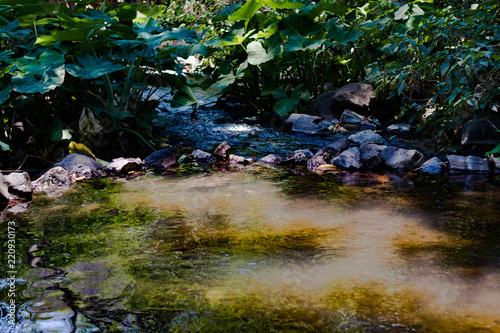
x: 262, y: 251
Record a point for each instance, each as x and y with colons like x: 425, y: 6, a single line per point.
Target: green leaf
x: 5, y: 94
x: 258, y: 55
x: 286, y: 105
x: 52, y: 78
x: 495, y: 150
x: 184, y: 97
x: 92, y: 68
x: 226, y: 12
x: 341, y: 35
x: 401, y: 13
x: 73, y: 35
x: 4, y: 146
x: 246, y: 12
x: 33, y: 64
x: 444, y: 68
x: 278, y: 4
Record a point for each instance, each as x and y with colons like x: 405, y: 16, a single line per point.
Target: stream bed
x: 260, y: 250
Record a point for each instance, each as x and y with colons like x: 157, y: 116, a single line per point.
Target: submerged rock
x: 54, y: 182
x: 349, y: 159
x: 402, y: 159
x: 124, y: 166
x: 366, y: 136
x: 459, y: 163
x: 20, y: 184
x: 434, y: 166
x: 271, y: 159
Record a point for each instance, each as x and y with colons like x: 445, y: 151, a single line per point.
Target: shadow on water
x: 262, y: 250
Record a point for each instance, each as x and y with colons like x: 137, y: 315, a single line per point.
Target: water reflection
x: 268, y: 253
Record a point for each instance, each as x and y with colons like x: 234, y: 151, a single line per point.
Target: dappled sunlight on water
x: 264, y: 253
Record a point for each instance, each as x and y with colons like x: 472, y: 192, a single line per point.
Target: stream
x: 257, y: 249
x: 260, y: 250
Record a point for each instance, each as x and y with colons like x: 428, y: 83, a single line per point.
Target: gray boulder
x: 334, y: 148
x: 366, y: 147
x: 400, y: 128
x: 349, y: 159
x: 371, y: 159
x: 310, y: 125
x: 238, y: 160
x: 402, y: 159
x: 296, y: 116
x: 495, y: 162
x: 459, y: 163
x: 4, y: 190
x: 123, y: 166
x: 299, y: 157
x: 154, y: 158
x: 480, y: 132
x: 54, y: 182
x: 221, y: 151
x: 366, y: 136
x: 203, y: 157
x: 315, y: 162
x: 434, y: 166
x: 321, y: 106
x: 20, y: 184
x: 351, y: 117
x: 271, y: 159
x: 76, y: 161
x: 353, y: 96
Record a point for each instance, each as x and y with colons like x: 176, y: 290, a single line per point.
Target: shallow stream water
x: 261, y: 250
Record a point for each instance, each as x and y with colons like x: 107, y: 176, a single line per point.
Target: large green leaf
x: 342, y: 35
x: 184, y: 97
x: 279, y: 4
x: 38, y: 64
x: 5, y: 94
x: 246, y: 12
x: 284, y: 106
x: 226, y: 12
x: 52, y: 78
x: 73, y: 35
x: 257, y: 54
x: 299, y: 25
x: 92, y: 68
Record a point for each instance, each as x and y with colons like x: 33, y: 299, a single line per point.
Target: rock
x: 402, y: 159
x: 20, y: 184
x: 299, y: 157
x: 495, y: 162
x: 4, y: 190
x: 354, y: 96
x: 351, y: 117
x: 480, y: 132
x: 203, y: 157
x: 54, y: 182
x: 124, y: 166
x: 459, y: 163
x: 221, y: 151
x: 434, y: 166
x: 310, y: 125
x: 349, y: 159
x: 155, y: 158
x: 167, y: 162
x: 400, y: 128
x: 333, y: 149
x: 371, y: 159
x: 234, y: 160
x: 296, y: 116
x: 366, y: 147
x: 315, y: 162
x: 366, y: 136
x: 321, y: 106
x: 271, y: 159
x: 80, y: 165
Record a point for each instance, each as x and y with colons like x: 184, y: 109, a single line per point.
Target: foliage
x: 442, y: 56
x: 57, y: 61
